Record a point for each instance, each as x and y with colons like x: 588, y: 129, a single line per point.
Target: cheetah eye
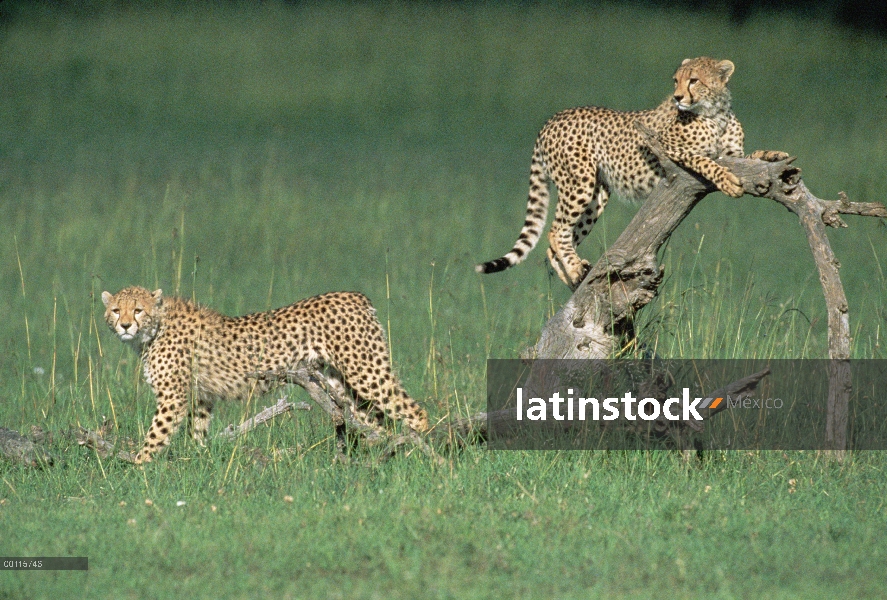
x: 693, y: 80
x: 116, y: 311
x: 138, y: 311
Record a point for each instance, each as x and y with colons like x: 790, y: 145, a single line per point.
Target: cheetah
x: 194, y: 356
x: 589, y: 152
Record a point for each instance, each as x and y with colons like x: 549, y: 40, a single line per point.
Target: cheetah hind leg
x: 344, y: 399
x: 371, y: 419
x: 582, y: 227
x: 578, y: 208
x: 200, y: 416
x: 563, y: 258
x: 555, y: 266
x: 372, y: 416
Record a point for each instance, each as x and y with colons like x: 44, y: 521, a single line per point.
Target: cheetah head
x: 700, y: 85
x: 132, y: 312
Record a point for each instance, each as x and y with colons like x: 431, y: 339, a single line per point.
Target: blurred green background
x: 249, y: 155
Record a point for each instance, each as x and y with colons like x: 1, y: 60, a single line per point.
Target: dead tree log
x: 627, y: 277
x: 18, y: 448
x: 104, y: 448
x: 335, y: 400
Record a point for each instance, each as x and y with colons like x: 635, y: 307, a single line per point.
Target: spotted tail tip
x: 494, y: 266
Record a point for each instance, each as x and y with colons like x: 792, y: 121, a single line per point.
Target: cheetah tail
x: 537, y: 211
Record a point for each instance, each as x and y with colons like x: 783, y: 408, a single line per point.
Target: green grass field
x: 249, y: 156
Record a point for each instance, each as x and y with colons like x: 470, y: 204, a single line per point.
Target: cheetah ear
x: 685, y: 61
x: 106, y: 298
x: 725, y: 67
x: 157, y: 295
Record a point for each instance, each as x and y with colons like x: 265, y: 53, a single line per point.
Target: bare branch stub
x: 328, y: 396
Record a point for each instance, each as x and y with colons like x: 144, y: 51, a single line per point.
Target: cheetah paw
x: 129, y: 457
x: 555, y: 266
x: 584, y: 269
x: 731, y: 185
x: 769, y: 155
x: 581, y: 274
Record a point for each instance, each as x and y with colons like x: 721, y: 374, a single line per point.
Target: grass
x: 562, y: 524
x: 249, y: 156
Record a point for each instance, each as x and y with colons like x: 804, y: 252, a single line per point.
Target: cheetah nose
x: 125, y: 325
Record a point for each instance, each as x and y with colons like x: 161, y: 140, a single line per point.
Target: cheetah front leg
x: 200, y: 414
x: 674, y: 144
x: 592, y: 213
x: 172, y: 406
x: 722, y: 177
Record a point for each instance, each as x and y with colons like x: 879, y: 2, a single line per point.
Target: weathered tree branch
x: 105, y: 448
x: 454, y: 433
x: 18, y: 448
x: 737, y: 390
x: 334, y: 399
x: 96, y: 440
x: 330, y: 397
x: 282, y: 406
x: 627, y: 277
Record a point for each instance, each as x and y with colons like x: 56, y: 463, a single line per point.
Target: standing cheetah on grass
x: 589, y: 152
x: 194, y: 355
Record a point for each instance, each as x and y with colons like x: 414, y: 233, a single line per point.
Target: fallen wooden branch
x: 331, y: 398
x: 461, y: 431
x: 96, y: 441
x: 282, y: 406
x: 737, y: 390
x: 30, y: 452
x: 334, y: 399
x: 19, y: 449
